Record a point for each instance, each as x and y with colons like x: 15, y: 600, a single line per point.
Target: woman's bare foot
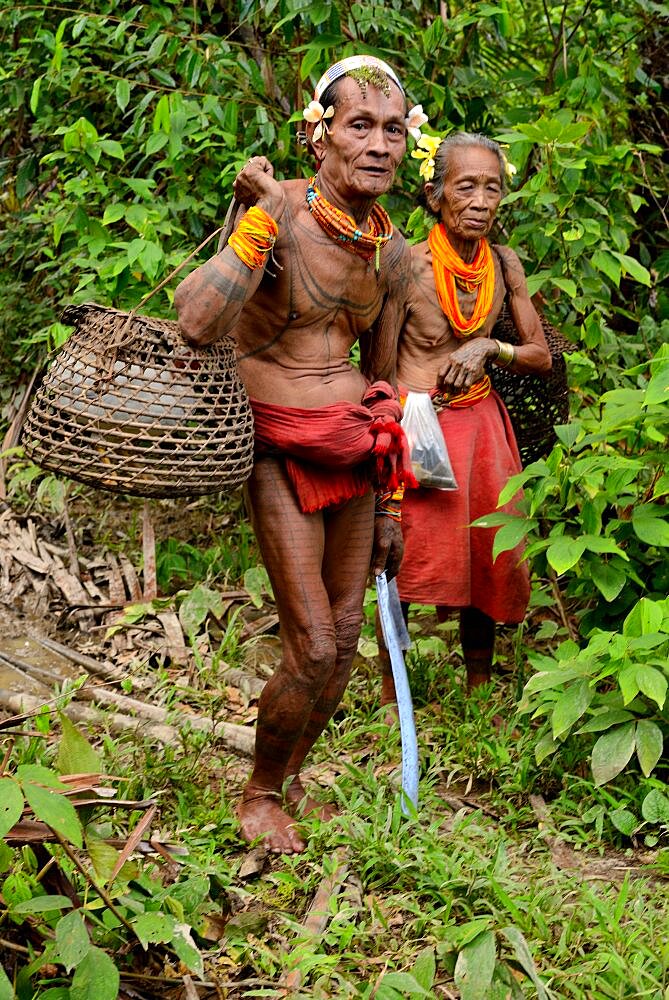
x: 260, y: 815
x: 303, y: 804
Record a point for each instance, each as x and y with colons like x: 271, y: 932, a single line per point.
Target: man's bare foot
x: 260, y: 815
x: 303, y: 804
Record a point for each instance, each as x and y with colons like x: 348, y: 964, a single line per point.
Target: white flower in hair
x: 414, y: 120
x: 315, y: 112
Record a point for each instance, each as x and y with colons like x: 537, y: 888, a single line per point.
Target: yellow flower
x: 426, y: 149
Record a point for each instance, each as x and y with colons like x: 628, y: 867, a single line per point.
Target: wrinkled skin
x: 430, y: 355
x: 293, y: 333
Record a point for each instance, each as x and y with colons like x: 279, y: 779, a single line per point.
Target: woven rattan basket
x: 536, y: 403
x: 128, y: 406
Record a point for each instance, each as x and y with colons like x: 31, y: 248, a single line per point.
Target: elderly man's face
x: 472, y: 192
x: 366, y: 143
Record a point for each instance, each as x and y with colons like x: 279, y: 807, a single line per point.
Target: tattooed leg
x: 292, y: 545
x: 346, y: 558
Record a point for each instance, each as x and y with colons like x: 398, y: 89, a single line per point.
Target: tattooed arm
x: 532, y: 355
x: 209, y: 301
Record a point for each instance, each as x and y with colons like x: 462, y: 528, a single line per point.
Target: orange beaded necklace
x: 342, y: 228
x: 451, y: 272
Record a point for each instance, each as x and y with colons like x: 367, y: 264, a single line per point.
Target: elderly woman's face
x: 472, y: 192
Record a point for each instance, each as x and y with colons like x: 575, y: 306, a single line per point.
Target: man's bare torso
x: 295, y: 334
x: 427, y: 338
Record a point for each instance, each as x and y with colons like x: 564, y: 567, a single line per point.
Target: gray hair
x: 442, y: 160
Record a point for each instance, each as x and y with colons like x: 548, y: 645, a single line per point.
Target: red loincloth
x: 328, y: 450
x: 445, y: 562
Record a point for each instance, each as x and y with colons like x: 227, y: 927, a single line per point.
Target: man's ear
x: 319, y: 147
x: 431, y: 198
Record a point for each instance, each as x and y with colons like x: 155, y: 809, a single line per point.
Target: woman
x: 459, y: 286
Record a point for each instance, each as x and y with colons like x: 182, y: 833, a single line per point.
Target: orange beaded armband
x: 254, y: 237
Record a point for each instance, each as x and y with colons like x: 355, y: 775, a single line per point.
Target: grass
x: 510, y: 880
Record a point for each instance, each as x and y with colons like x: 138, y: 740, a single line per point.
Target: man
x: 337, y: 273
x: 458, y: 288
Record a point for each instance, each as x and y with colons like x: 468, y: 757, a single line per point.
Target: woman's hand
x: 466, y: 365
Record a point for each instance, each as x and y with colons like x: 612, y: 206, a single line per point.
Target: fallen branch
x: 89, y: 664
x: 237, y: 738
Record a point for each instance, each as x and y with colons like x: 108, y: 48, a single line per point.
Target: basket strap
x: 225, y: 232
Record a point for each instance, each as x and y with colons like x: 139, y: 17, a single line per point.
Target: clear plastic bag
x: 429, y: 454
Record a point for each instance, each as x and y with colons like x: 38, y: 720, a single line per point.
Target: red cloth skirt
x: 445, y: 561
x: 328, y: 450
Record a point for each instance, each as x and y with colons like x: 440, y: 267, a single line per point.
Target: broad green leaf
x: 34, y: 94
x: 475, y: 966
x: 151, y: 257
x: 425, y: 967
x: 196, y: 605
x: 461, y: 934
x: 564, y: 553
x: 655, y: 807
x: 570, y: 706
x: 652, y: 683
x: 42, y: 775
x: 646, y: 616
x: 657, y: 390
x: 95, y: 978
x: 154, y: 928
x: 567, y: 434
x: 102, y: 854
x: 387, y: 993
x: 185, y: 947
x: 524, y: 959
x: 122, y: 94
x: 633, y: 268
x: 42, y: 904
x: 508, y: 537
x: 612, y: 752
x: 156, y: 142
x: 406, y: 984
x: 75, y: 753
x: 605, y: 720
x: 6, y: 988
x: 649, y: 743
x: 54, y: 810
x: 574, y: 233
x: 607, y: 263
x: 113, y: 213
x: 628, y: 683
x: 608, y: 580
x: 535, y: 281
x: 544, y: 747
x: 11, y: 805
x: 256, y: 582
x: 651, y: 524
x: 566, y: 284
x: 624, y: 820
x: 72, y: 939
x: 600, y: 543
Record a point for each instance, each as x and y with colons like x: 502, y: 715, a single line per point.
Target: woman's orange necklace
x: 342, y: 228
x: 451, y: 272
